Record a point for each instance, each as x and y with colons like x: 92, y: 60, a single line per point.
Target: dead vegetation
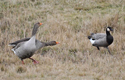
x: 68, y: 22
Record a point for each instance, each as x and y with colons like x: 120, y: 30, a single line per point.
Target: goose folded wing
x: 101, y: 42
x: 98, y: 36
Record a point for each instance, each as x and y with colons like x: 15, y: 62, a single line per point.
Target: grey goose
x: 102, y: 39
x: 25, y: 48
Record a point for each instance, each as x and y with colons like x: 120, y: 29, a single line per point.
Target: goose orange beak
x: 40, y: 24
x: 57, y: 42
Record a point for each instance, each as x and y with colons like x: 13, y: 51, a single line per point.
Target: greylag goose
x: 25, y: 48
x: 102, y: 39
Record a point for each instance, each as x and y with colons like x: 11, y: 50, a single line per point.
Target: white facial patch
x: 92, y: 41
x: 108, y: 29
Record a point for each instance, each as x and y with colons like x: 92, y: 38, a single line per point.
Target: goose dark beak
x: 112, y: 29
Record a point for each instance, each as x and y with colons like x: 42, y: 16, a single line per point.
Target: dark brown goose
x: 102, y: 39
x: 25, y: 48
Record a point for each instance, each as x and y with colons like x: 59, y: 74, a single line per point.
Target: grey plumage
x: 98, y: 36
x: 39, y: 44
x: 102, y: 39
x: 26, y: 47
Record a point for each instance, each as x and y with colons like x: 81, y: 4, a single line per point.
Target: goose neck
x: 35, y: 30
x: 107, y: 32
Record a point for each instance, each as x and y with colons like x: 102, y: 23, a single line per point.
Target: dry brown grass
x: 68, y: 22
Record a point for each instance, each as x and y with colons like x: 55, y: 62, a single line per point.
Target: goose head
x: 36, y: 26
x: 108, y: 30
x: 51, y: 43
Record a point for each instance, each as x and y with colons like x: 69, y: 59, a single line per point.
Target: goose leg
x: 34, y: 60
x: 22, y: 61
x: 98, y: 48
x: 108, y: 50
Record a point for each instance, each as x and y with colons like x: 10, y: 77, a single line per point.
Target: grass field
x: 68, y: 22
